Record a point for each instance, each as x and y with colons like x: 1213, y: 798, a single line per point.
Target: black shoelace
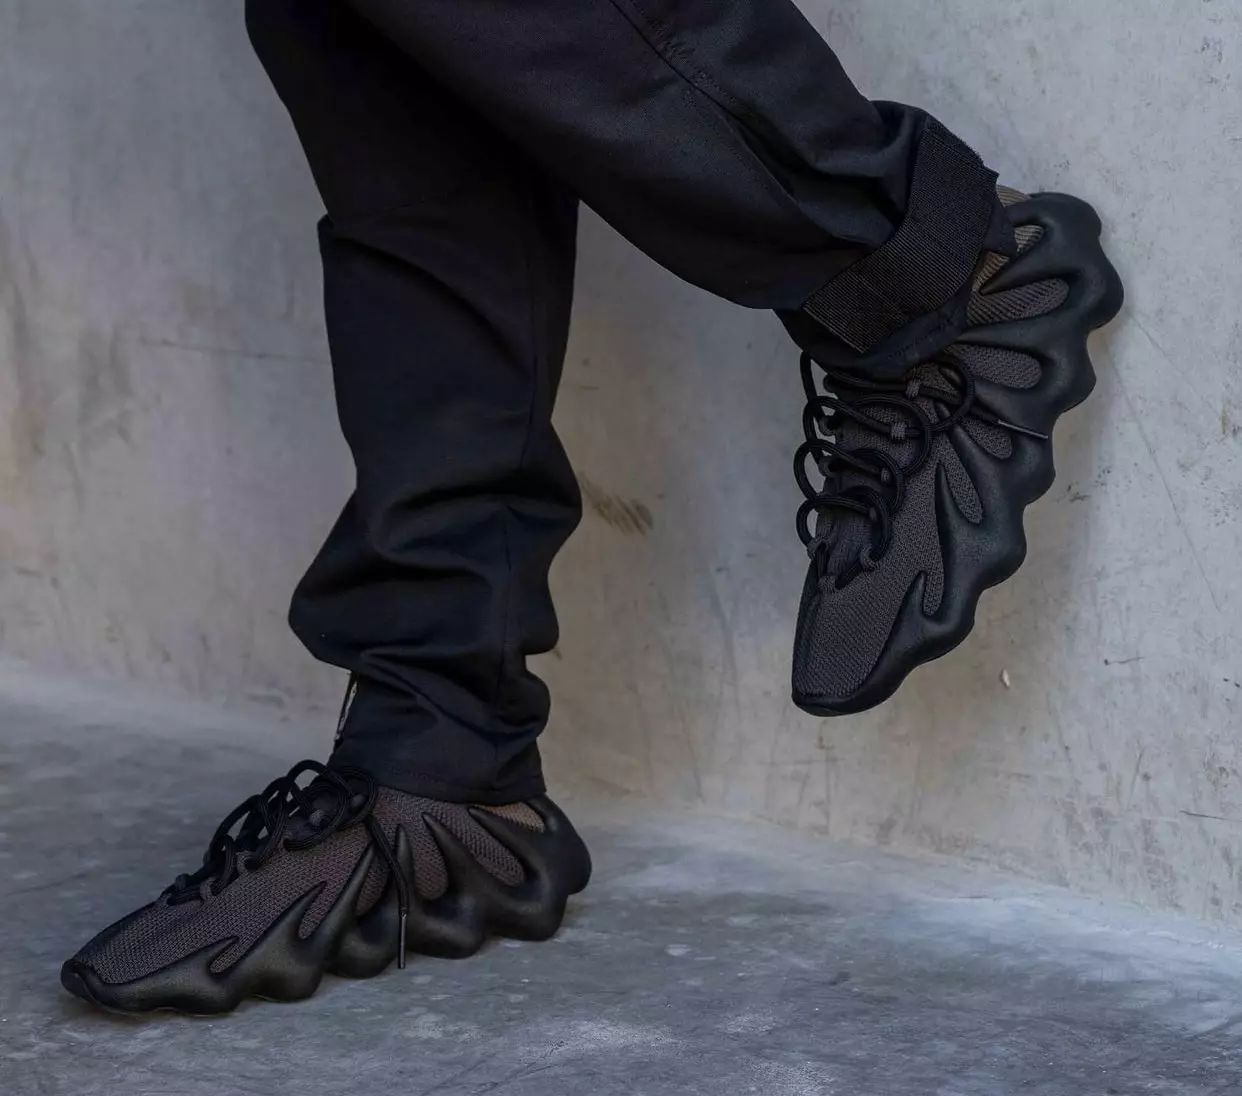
x: 849, y: 396
x: 287, y: 816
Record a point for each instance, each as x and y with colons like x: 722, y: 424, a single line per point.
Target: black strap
x: 928, y: 260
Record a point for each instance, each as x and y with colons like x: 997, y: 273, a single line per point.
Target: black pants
x: 451, y: 141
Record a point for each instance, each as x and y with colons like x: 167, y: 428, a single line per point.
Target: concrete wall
x: 169, y: 457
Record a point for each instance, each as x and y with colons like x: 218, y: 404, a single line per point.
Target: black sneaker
x: 926, y: 478
x: 341, y: 876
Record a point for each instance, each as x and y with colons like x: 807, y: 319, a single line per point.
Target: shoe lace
x: 287, y: 816
x: 847, y: 396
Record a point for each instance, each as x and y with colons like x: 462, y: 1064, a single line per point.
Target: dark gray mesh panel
x: 989, y: 266
x: 993, y: 262
x: 1000, y: 366
x: 244, y: 909
x: 1011, y: 368
x: 161, y: 933
x: 960, y: 484
x: 1026, y: 301
x: 120, y: 947
x: 993, y: 440
x: 372, y: 888
x: 523, y: 814
x: 431, y: 878
x: 1010, y: 195
x: 845, y: 630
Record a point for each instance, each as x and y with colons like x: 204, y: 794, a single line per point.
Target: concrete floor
x: 708, y: 956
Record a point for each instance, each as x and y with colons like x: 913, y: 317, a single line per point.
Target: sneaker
x: 926, y: 478
x: 342, y: 876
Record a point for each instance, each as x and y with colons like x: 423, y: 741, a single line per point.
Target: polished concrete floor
x: 708, y: 957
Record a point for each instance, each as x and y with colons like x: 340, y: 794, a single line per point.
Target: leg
x: 448, y: 265
x: 448, y: 261
x: 724, y: 140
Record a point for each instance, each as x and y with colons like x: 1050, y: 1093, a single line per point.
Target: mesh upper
x: 999, y: 365
x: 1015, y: 304
x: 842, y: 632
x: 161, y: 933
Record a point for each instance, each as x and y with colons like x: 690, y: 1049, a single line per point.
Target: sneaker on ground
x: 342, y: 876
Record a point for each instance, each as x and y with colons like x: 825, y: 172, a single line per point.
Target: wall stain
x: 198, y: 303
x: 629, y: 516
x: 98, y: 393
x: 107, y: 390
x: 1229, y: 428
x: 26, y: 428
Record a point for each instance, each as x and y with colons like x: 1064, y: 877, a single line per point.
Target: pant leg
x: 448, y: 264
x: 725, y: 140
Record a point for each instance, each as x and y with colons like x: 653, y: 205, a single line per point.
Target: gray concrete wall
x: 169, y: 458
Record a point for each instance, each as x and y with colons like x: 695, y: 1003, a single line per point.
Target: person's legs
x: 448, y: 268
